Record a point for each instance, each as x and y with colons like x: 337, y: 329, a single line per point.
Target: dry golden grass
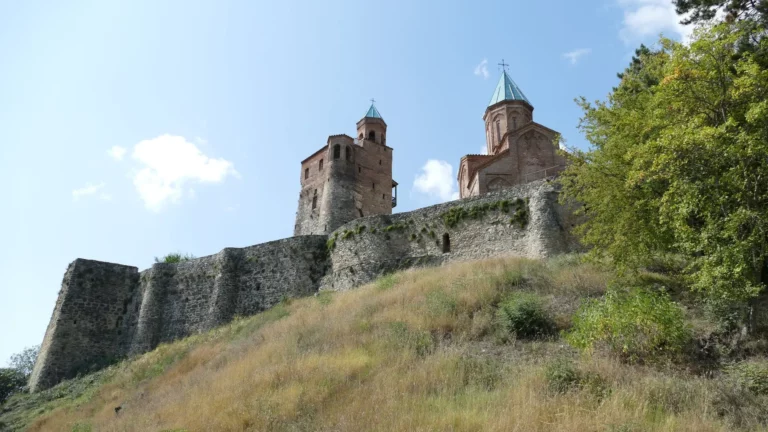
x: 412, y: 352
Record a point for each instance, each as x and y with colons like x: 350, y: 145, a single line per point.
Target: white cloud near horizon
x: 170, y: 165
x: 644, y: 19
x: 436, y: 180
x: 91, y: 190
x: 482, y: 69
x: 575, y: 55
x: 117, y: 152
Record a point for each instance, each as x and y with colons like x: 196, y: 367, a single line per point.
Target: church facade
x: 347, y: 178
x: 518, y: 150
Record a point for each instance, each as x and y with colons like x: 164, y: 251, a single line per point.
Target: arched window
x: 372, y: 135
x: 306, y: 173
x: 360, y: 137
x: 498, y: 130
x: 446, y: 243
x: 336, y: 151
x: 321, y: 165
x: 348, y: 153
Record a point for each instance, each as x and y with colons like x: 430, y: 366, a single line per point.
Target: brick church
x: 349, y: 178
x: 519, y: 150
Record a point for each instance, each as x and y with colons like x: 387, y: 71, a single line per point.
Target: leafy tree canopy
x: 24, y: 361
x: 705, y: 10
x: 679, y: 163
x: 11, y: 381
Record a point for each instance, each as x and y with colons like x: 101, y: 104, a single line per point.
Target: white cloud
x: 575, y: 55
x: 482, y: 69
x: 437, y: 180
x: 483, y: 150
x: 117, y: 152
x: 646, y: 19
x: 92, y: 190
x: 170, y: 165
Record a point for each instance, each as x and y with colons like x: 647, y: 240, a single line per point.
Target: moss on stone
x: 453, y: 216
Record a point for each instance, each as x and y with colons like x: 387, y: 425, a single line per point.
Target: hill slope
x: 418, y: 350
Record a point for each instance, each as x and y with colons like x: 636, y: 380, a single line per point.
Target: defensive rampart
x: 106, y: 311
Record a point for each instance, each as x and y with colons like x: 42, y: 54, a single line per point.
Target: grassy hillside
x: 418, y: 351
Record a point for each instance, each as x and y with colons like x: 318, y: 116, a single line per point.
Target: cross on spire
x: 503, y: 65
x: 373, y: 101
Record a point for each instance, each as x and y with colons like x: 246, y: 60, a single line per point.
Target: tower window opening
x: 336, y: 151
x: 306, y: 173
x: 372, y: 135
x: 498, y: 130
x: 383, y: 196
x: 360, y: 211
x: 373, y: 186
x: 348, y: 153
x: 446, y: 243
x: 379, y: 161
x: 321, y: 165
x: 314, y: 202
x: 359, y: 169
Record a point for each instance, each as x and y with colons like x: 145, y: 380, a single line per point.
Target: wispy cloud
x: 436, y: 180
x: 170, y: 165
x: 575, y: 55
x: 482, y: 69
x: 117, y: 152
x: 645, y: 19
x: 96, y: 190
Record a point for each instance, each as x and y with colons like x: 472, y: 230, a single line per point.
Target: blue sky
x: 130, y: 129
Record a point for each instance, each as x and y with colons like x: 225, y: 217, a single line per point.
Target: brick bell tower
x: 347, y: 178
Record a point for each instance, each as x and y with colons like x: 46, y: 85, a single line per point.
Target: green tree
x: 11, y: 381
x: 705, y: 10
x: 679, y: 163
x: 24, y: 361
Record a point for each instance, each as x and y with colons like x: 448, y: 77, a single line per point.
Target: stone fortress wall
x: 107, y: 311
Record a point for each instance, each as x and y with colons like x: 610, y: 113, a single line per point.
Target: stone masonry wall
x: 108, y: 311
x: 90, y: 323
x: 367, y: 248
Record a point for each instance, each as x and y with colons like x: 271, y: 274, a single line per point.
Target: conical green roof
x: 506, y: 89
x: 373, y: 113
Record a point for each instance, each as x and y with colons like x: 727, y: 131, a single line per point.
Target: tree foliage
x: 679, y: 163
x: 11, y: 381
x: 24, y: 361
x: 705, y: 10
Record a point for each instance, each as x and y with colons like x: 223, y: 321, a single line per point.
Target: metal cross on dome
x: 503, y: 65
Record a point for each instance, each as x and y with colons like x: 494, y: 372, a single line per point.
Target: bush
x: 637, y: 325
x: 742, y: 408
x: 752, y: 375
x: 562, y: 376
x: 523, y: 315
x: 174, y: 258
x: 11, y: 381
